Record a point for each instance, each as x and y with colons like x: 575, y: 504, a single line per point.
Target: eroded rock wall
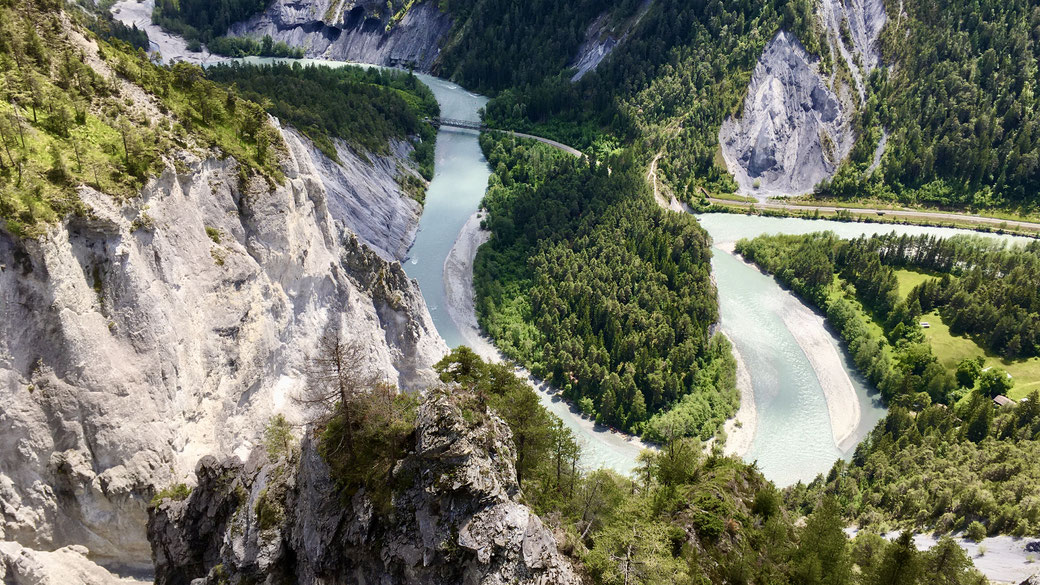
x: 601, y: 39
x: 366, y: 195
x: 459, y: 521
x: 142, y: 335
x: 349, y: 30
x: 794, y: 129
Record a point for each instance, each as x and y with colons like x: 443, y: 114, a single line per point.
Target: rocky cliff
x: 366, y: 195
x: 140, y: 335
x: 794, y: 129
x: 459, y: 520
x: 601, y: 38
x: 354, y: 30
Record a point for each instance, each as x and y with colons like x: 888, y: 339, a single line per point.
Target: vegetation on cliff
x: 365, y: 107
x: 78, y: 111
x: 591, y: 285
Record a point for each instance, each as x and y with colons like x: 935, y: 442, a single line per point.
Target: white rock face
x: 65, y: 566
x: 793, y: 131
x: 601, y: 41
x: 142, y: 336
x: 354, y: 30
x: 863, y: 20
x: 366, y: 195
x: 457, y: 516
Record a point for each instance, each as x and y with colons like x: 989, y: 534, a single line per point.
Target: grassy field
x: 951, y: 349
x: 734, y: 197
x: 908, y: 279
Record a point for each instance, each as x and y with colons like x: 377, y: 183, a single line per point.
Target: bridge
x: 438, y: 122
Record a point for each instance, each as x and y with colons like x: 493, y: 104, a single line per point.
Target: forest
x: 961, y: 104
x: 959, y: 98
x: 667, y: 88
x: 685, y: 517
x: 509, y: 44
x: 593, y: 287
x: 944, y: 458
x: 365, y: 107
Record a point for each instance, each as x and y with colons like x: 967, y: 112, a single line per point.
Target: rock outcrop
x: 794, y: 130
x: 600, y: 40
x: 66, y: 566
x: 354, y: 30
x: 140, y: 335
x: 457, y: 521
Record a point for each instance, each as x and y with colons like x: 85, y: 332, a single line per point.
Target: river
x: 795, y: 438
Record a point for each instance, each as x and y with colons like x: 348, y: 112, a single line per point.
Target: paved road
x: 935, y: 215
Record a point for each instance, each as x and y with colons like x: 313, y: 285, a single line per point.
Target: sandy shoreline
x: 603, y: 447
x: 810, y: 332
x: 741, y: 429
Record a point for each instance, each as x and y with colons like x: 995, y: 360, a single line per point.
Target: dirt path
x: 552, y: 143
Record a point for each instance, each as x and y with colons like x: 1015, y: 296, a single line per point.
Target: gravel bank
x: 810, y: 332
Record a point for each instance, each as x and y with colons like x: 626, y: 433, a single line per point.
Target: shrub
x: 176, y: 492
x: 213, y: 233
x: 975, y: 531
x: 269, y: 512
x: 278, y: 437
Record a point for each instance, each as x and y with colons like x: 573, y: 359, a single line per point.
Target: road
x: 553, y: 143
x: 932, y: 215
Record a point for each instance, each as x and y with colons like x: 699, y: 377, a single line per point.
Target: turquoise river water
x: 793, y: 440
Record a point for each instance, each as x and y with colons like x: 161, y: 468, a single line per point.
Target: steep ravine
x: 142, y: 335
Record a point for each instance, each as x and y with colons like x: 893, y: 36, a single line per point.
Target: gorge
x: 163, y: 325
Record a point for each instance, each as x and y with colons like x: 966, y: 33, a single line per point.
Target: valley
x: 264, y: 321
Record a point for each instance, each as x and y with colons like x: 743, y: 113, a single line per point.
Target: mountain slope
x: 161, y: 306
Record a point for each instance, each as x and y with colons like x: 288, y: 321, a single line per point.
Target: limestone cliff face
x: 793, y: 131
x: 144, y: 334
x: 795, y: 128
x: 458, y: 522
x: 354, y: 30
